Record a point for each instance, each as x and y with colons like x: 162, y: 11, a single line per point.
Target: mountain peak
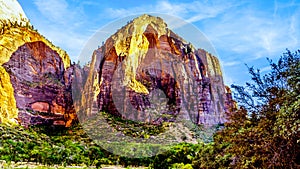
x: 11, y: 10
x: 138, y: 26
x: 131, y: 41
x: 146, y: 19
x: 145, y: 59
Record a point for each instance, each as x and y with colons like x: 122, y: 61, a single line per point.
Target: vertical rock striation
x: 148, y: 73
x: 28, y: 61
x: 42, y: 87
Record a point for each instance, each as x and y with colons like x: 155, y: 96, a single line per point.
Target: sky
x: 240, y: 32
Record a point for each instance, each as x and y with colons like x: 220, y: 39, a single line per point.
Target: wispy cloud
x: 70, y: 41
x: 241, y: 31
x: 62, y: 23
x: 254, y: 32
x: 239, y: 27
x: 55, y: 10
x: 244, y: 32
x: 265, y: 69
x: 230, y: 63
x: 190, y: 11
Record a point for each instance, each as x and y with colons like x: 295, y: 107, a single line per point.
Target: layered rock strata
x: 148, y: 73
x: 42, y: 86
x: 35, y: 75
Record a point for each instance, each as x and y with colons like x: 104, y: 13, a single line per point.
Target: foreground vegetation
x: 262, y: 133
x: 73, y: 147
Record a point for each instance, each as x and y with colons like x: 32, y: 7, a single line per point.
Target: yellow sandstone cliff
x: 15, y: 31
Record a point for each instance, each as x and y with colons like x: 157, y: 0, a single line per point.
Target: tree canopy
x: 264, y: 131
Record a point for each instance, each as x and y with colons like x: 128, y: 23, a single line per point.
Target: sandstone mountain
x: 35, y: 78
x: 143, y: 72
x: 148, y: 73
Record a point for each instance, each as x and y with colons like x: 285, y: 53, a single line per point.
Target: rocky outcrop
x: 19, y: 86
x: 143, y: 72
x: 146, y: 72
x: 42, y: 87
x: 14, y: 36
x: 8, y: 109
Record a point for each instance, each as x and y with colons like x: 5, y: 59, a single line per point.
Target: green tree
x: 264, y: 131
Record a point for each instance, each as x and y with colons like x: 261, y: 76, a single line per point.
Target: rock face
x: 8, y: 109
x: 41, y: 85
x: 146, y: 72
x: 35, y: 75
x: 143, y: 72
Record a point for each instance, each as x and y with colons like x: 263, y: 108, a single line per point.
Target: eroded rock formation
x: 143, y: 72
x: 23, y: 81
x: 148, y: 73
x: 41, y: 85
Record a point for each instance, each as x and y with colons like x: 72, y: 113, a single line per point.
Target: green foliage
x: 212, y: 155
x: 27, y: 145
x: 181, y: 166
x: 264, y: 132
x: 182, y: 153
x: 61, y: 146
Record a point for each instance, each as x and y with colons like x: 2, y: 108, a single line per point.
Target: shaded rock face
x: 15, y: 31
x: 42, y: 86
x: 146, y: 72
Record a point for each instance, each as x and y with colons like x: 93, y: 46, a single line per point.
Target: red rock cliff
x: 42, y: 86
x: 148, y: 73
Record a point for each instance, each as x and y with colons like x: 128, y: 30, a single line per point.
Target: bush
x: 181, y: 153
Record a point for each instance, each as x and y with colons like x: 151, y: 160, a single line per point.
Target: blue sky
x: 242, y: 32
